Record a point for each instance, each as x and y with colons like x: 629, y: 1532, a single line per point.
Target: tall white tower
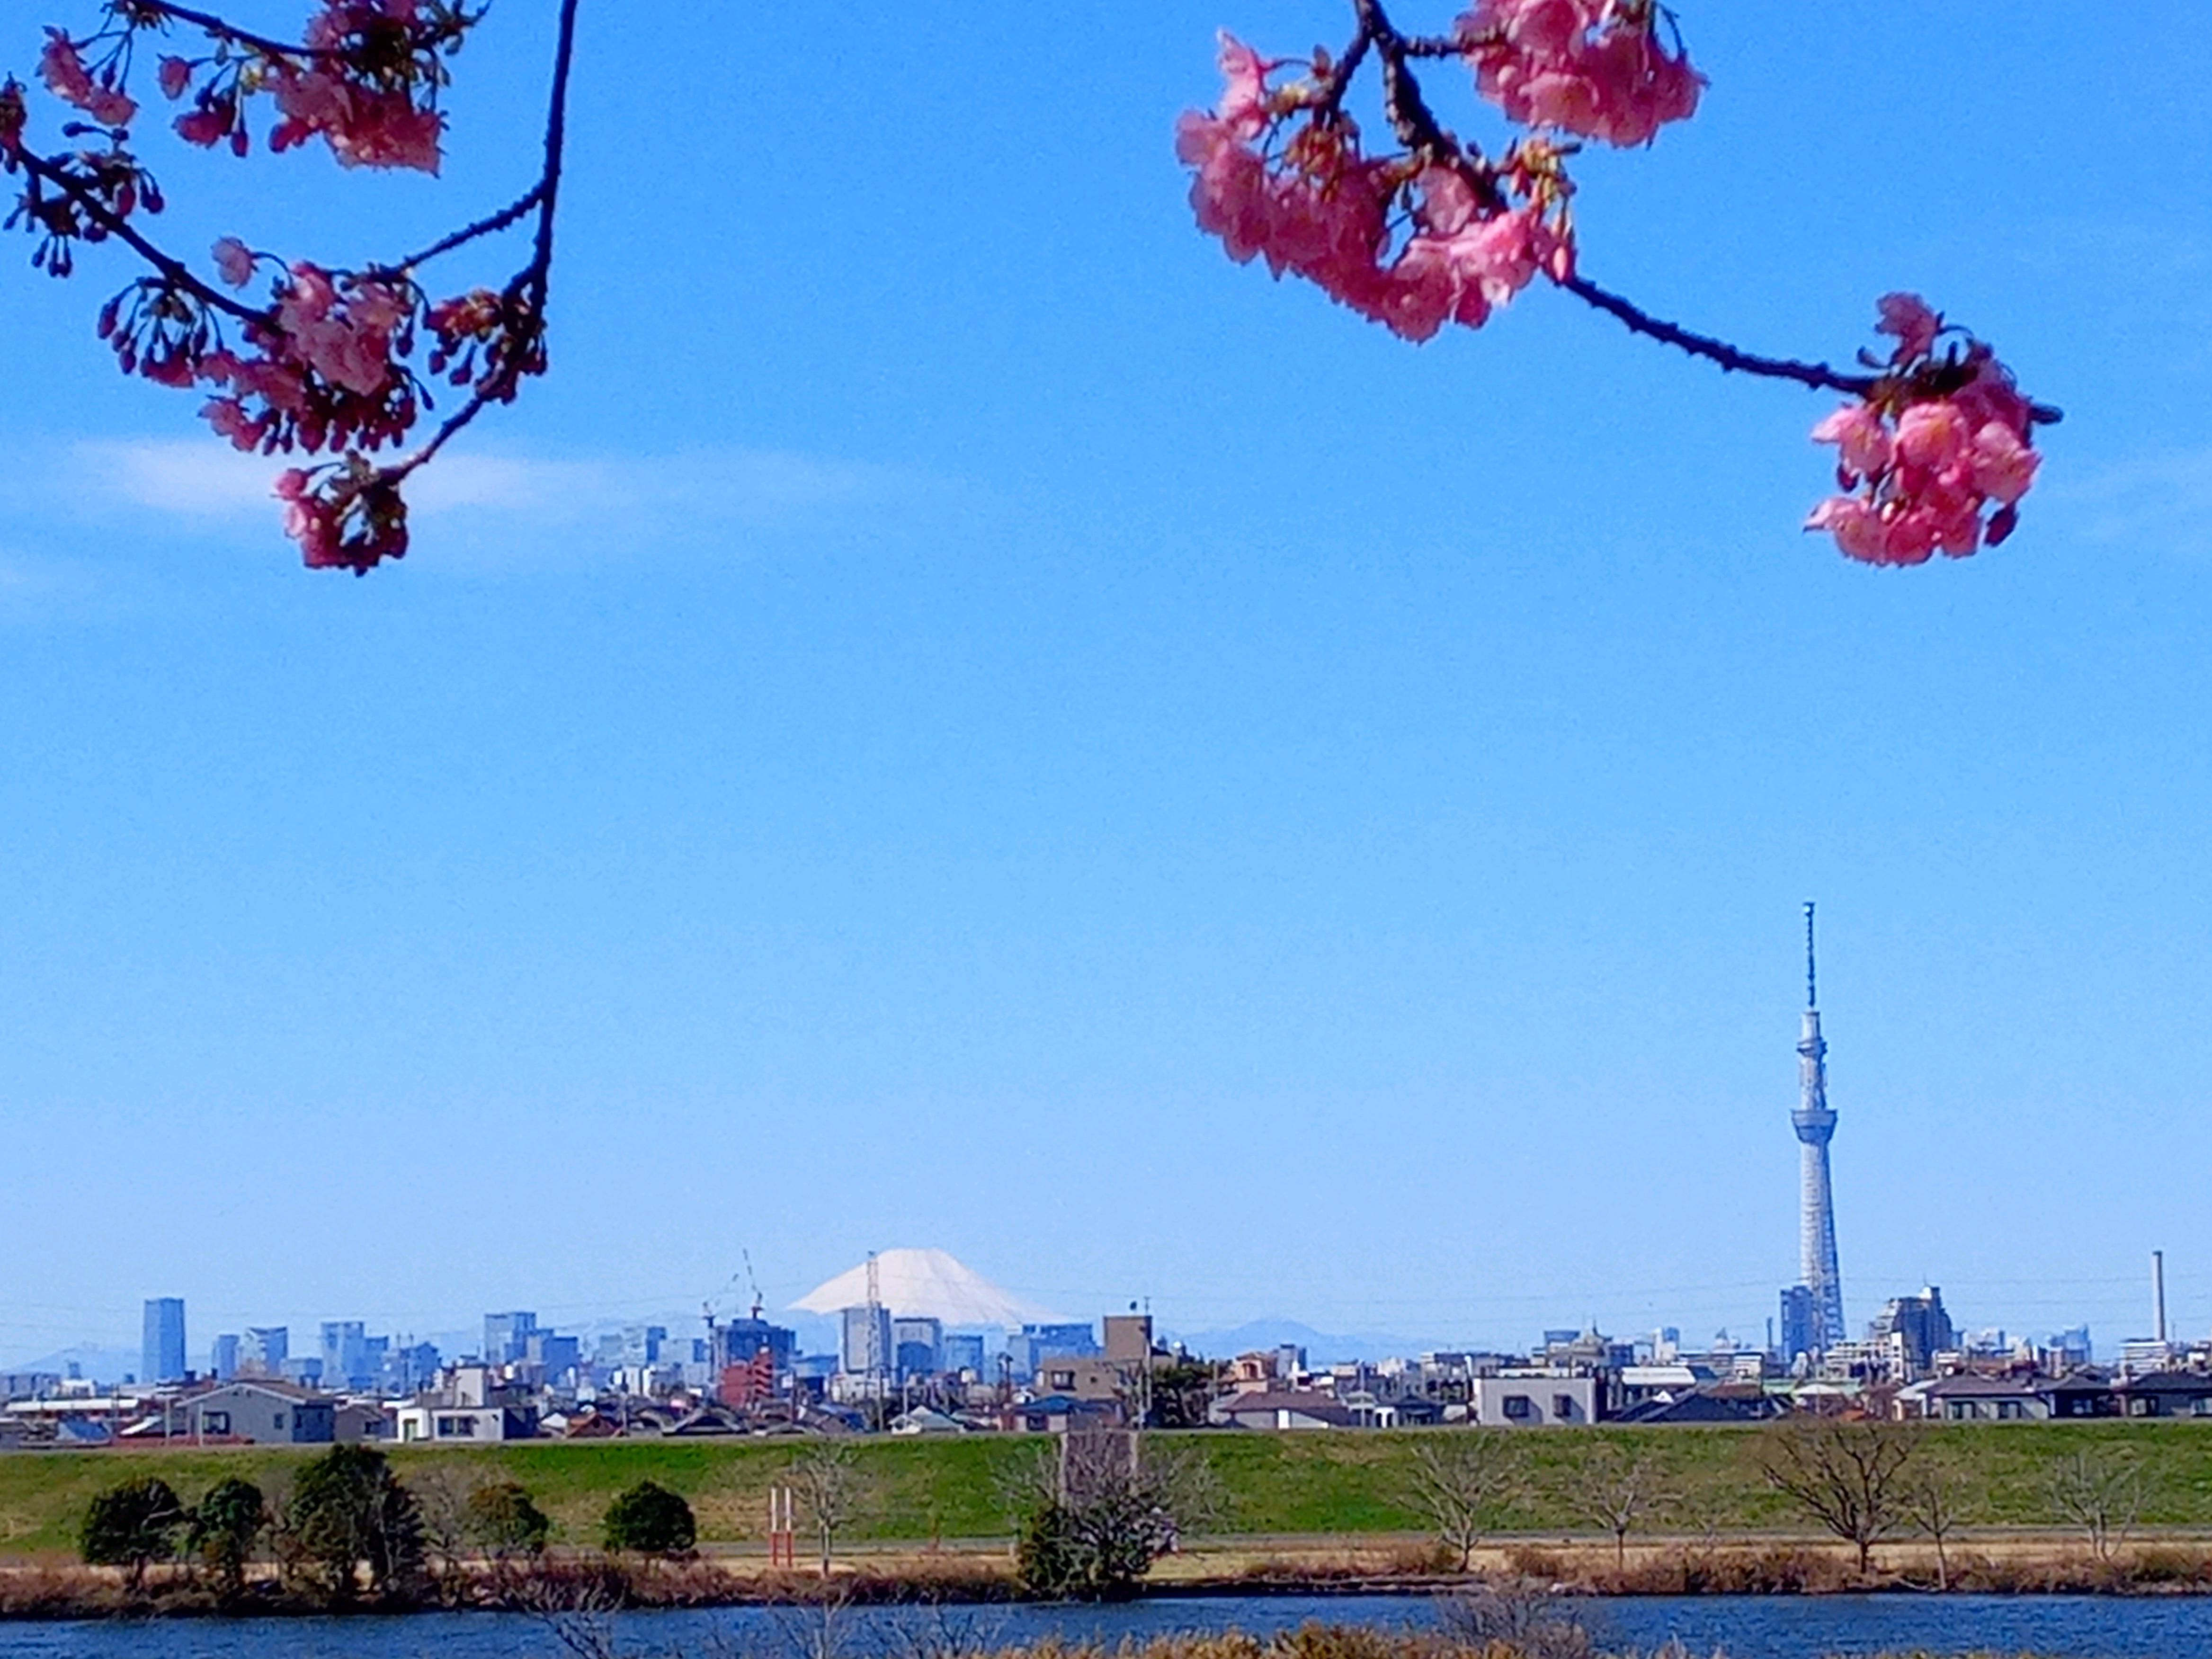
x: 1816, y: 1126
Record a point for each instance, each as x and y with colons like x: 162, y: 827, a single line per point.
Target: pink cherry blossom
x: 347, y: 341
x: 169, y: 369
x: 1592, y: 67
x: 1935, y: 442
x: 1863, y: 438
x: 64, y: 74
x: 175, y: 77
x: 1931, y: 435
x: 229, y: 417
x: 234, y: 261
x: 2003, y: 466
x: 63, y: 71
x: 390, y: 132
x: 1909, y: 319
x: 1243, y: 107
x: 1855, y: 525
x: 205, y: 127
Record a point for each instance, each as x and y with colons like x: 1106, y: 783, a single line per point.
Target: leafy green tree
x: 347, y: 1511
x: 650, y: 1520
x: 1181, y: 1390
x: 501, y: 1519
x: 131, y: 1526
x: 223, y: 1527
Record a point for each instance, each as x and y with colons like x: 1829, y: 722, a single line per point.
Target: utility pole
x: 875, y: 1346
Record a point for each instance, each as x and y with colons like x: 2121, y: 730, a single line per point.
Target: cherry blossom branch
x: 500, y: 220
x: 1410, y: 118
x: 557, y: 132
x: 533, y: 284
x: 1937, y: 434
x: 141, y: 12
x: 175, y: 270
x: 1734, y: 359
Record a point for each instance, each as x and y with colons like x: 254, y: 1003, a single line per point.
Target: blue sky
x: 957, y: 716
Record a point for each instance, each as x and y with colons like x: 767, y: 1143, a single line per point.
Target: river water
x: 1744, y: 1628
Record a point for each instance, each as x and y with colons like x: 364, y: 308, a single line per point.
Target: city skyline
x: 971, y: 759
x: 1812, y: 1315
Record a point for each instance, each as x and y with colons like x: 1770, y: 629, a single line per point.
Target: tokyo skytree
x: 1816, y: 1126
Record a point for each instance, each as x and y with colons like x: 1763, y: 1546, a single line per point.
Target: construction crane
x: 751, y: 1280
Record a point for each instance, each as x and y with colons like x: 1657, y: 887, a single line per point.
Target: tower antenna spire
x: 1818, y: 1284
x: 1811, y: 986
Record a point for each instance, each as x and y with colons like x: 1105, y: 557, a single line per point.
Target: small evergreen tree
x: 131, y: 1526
x: 225, y: 1523
x: 501, y: 1519
x: 347, y: 1509
x: 650, y: 1520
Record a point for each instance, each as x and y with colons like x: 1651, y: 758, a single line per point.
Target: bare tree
x: 1530, y: 1626
x: 828, y: 1480
x: 1848, y: 1475
x: 1461, y: 1477
x: 1612, y: 1487
x: 1936, y: 1496
x: 2099, y: 1493
x: 814, y: 1628
x: 442, y: 1490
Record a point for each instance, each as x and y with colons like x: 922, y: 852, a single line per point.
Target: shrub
x: 1094, y: 1549
x: 503, y: 1520
x: 650, y: 1520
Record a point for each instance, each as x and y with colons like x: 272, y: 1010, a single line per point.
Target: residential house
x: 1289, y: 1408
x: 2166, y: 1393
x: 1970, y: 1399
x: 1537, y: 1401
x: 262, y: 1412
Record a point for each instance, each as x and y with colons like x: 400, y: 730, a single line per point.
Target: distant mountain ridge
x: 1322, y: 1347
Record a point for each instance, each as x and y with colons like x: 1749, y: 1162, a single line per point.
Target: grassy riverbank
x: 1332, y: 1485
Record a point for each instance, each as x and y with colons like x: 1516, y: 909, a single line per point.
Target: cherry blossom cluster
x: 1436, y: 231
x: 1939, y: 436
x: 1409, y: 241
x: 322, y: 362
x: 1937, y: 446
x: 1594, y: 68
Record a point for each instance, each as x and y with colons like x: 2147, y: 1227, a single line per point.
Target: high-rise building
x: 1797, y: 1336
x: 506, y: 1337
x: 917, y: 1345
x: 265, y: 1349
x: 347, y: 1360
x: 742, y: 1341
x: 1029, y: 1346
x: 963, y: 1351
x: 1815, y: 1125
x: 865, y: 1349
x: 410, y: 1368
x: 224, y: 1361
x: 161, y: 1343
x: 556, y: 1356
x: 1922, y: 1321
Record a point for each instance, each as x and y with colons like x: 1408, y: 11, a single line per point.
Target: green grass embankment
x: 1342, y: 1484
